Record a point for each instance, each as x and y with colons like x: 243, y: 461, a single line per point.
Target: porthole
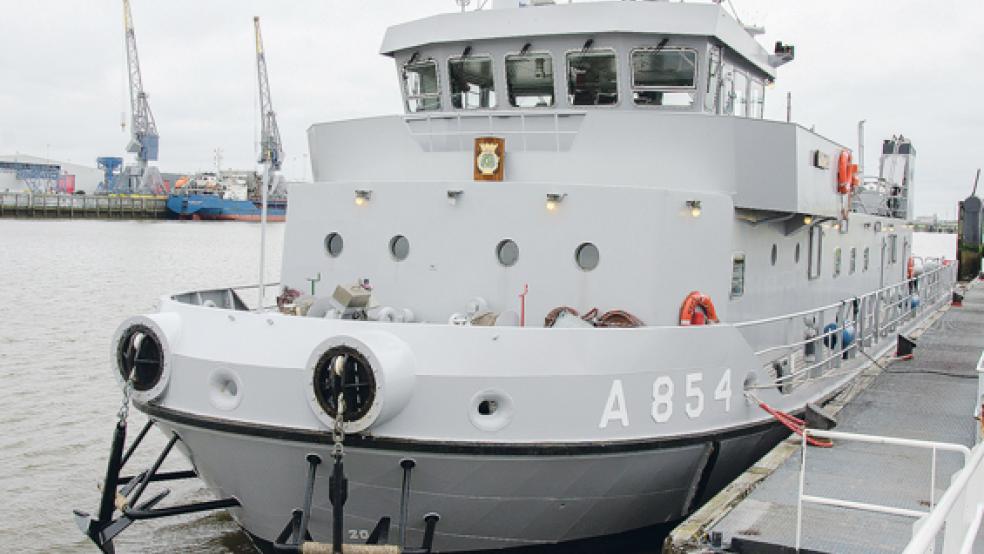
x: 507, y: 252
x: 587, y: 256
x: 334, y: 244
x: 775, y: 254
x: 399, y: 247
x: 796, y: 255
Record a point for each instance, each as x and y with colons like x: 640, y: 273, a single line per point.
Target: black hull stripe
x: 446, y: 447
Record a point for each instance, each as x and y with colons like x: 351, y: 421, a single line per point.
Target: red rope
x: 795, y: 425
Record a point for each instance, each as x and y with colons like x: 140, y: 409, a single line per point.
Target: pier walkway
x: 75, y: 206
x: 931, y: 398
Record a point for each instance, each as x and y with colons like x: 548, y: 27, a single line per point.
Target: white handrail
x: 926, y: 535
x: 934, y: 446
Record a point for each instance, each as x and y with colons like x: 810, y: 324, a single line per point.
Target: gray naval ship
x: 573, y: 291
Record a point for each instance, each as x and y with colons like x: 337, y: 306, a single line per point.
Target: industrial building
x: 23, y: 173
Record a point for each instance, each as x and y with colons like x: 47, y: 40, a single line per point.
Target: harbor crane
x: 271, y: 149
x: 144, y: 139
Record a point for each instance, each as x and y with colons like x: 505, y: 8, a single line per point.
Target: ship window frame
x: 837, y: 261
x: 421, y: 97
x: 693, y: 88
x: 330, y: 250
x: 588, y: 53
x: 756, y: 107
x: 814, y: 253
x: 495, y: 96
x: 584, y: 264
x: 893, y: 249
x: 553, y: 79
x: 499, y: 253
x: 867, y: 259
x: 852, y: 265
x: 715, y: 81
x: 734, y: 93
x: 399, y: 255
x: 738, y: 270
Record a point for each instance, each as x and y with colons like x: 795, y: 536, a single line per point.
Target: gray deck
x: 931, y: 397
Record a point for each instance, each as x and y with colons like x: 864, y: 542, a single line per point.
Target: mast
x: 271, y: 149
x: 143, y: 129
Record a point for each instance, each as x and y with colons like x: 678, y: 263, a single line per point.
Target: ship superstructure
x: 551, y: 298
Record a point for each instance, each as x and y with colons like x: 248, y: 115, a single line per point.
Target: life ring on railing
x: 847, y: 173
x: 698, y: 309
x: 910, y: 268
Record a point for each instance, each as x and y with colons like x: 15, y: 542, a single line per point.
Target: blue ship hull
x: 211, y: 207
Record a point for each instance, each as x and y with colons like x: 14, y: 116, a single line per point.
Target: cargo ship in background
x: 225, y: 197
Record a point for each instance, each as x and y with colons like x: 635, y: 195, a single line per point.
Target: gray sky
x: 904, y: 65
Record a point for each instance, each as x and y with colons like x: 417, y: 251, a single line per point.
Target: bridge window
x: 422, y: 88
x: 837, y: 262
x: 592, y: 78
x: 740, y: 94
x: 714, y: 81
x: 854, y: 261
x: 530, y: 80
x: 756, y: 100
x: 664, y: 77
x: 472, y: 83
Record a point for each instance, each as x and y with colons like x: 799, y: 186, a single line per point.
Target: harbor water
x: 66, y: 286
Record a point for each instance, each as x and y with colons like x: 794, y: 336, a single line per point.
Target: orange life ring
x: 689, y: 314
x: 847, y: 177
x: 910, y: 268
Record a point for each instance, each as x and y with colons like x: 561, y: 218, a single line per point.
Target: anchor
x: 123, y: 493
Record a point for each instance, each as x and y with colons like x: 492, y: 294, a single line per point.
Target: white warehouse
x: 12, y: 179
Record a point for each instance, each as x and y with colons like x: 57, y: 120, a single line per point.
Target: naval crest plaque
x: 489, y: 158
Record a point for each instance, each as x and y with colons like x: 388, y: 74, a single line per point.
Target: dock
x: 82, y: 206
x: 904, y: 428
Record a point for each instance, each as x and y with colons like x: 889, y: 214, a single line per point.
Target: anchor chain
x: 124, y: 411
x: 338, y: 431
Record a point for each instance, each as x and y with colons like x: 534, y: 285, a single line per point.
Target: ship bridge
x: 612, y: 54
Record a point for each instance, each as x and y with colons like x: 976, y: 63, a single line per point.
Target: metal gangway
x: 958, y: 512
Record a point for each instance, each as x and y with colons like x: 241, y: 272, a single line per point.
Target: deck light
x: 362, y: 196
x: 554, y: 199
x: 695, y: 207
x: 453, y: 196
x: 807, y: 220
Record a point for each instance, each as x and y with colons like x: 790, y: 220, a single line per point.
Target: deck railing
x: 818, y: 341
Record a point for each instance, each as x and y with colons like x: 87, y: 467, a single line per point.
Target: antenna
x: 463, y: 4
x: 976, y: 180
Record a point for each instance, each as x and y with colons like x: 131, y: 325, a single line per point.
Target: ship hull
x: 203, y: 207
x: 488, y: 497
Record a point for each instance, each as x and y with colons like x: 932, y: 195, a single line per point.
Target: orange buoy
x: 697, y: 309
x: 846, y: 172
x: 910, y: 269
